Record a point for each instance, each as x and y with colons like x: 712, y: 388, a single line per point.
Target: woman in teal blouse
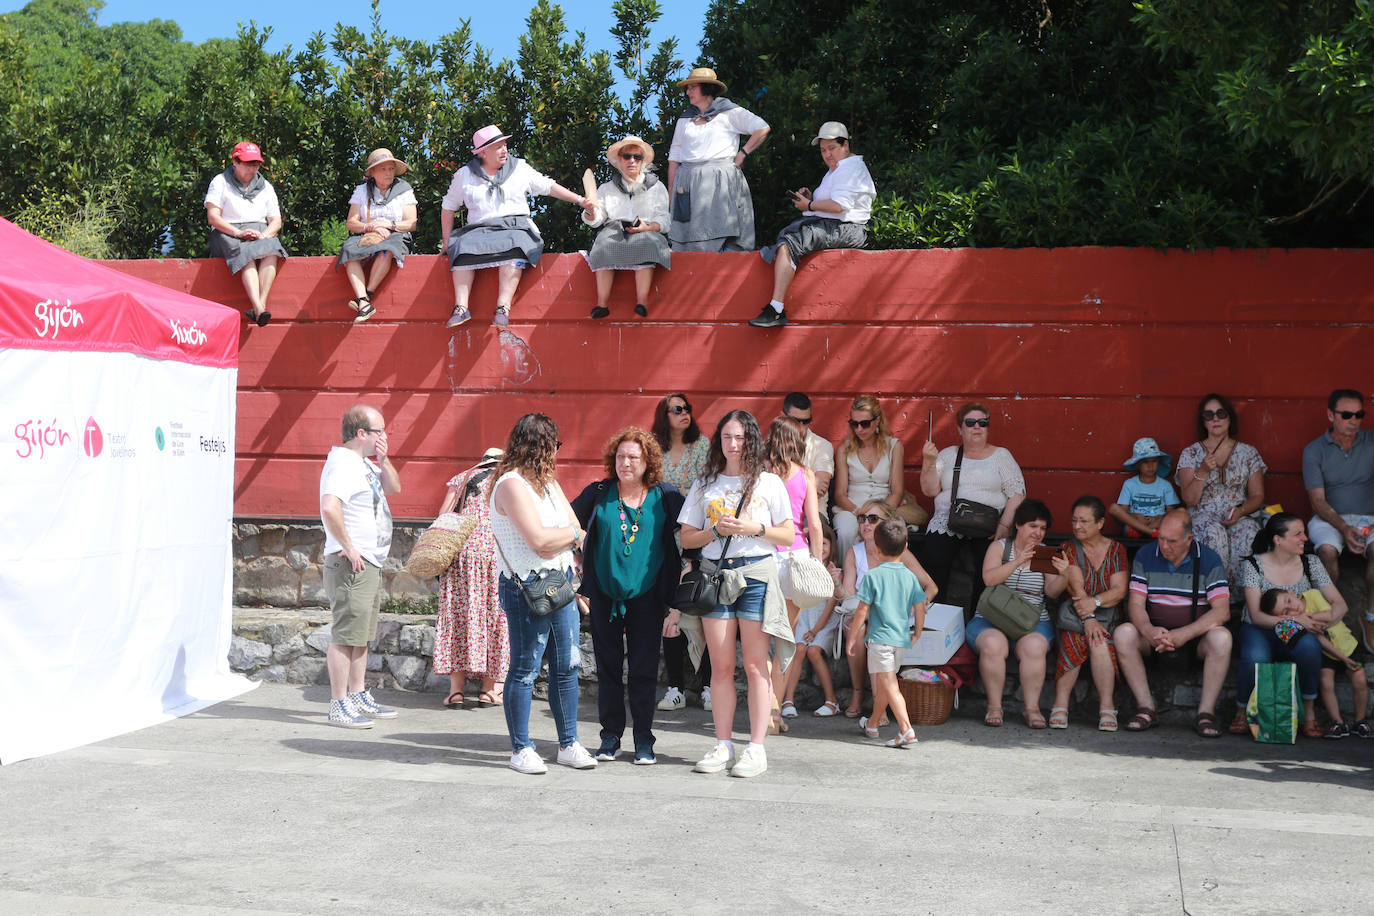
x: 630, y: 568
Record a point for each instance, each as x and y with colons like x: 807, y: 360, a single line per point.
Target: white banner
x: 116, y: 478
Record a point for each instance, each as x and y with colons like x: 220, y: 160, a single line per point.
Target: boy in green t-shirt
x: 889, y: 593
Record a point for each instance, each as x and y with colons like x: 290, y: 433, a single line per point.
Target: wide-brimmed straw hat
x: 1144, y: 449
x: 490, y: 458
x: 381, y: 156
x: 701, y: 75
x: 487, y: 136
x: 613, y: 153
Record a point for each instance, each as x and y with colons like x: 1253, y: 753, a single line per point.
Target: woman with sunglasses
x: 868, y: 465
x: 858, y: 560
x: 738, y: 499
x: 988, y: 474
x: 684, y: 458
x: 1221, y: 481
x: 632, y: 211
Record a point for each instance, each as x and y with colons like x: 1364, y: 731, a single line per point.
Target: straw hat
x: 487, y: 136
x: 614, y: 152
x: 490, y: 458
x: 701, y: 75
x: 382, y: 155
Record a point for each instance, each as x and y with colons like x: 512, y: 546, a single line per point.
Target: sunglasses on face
x: 971, y: 422
x: 637, y: 157
x: 557, y: 445
x: 679, y: 409
x: 1219, y: 414
x: 1349, y: 414
x: 804, y: 421
x: 860, y: 424
x: 870, y: 519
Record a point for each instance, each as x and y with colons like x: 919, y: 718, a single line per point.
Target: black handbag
x: 1069, y: 619
x: 966, y: 517
x: 546, y: 590
x: 698, y: 592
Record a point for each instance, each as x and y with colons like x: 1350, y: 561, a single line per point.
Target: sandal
x: 485, y: 700
x: 1106, y: 720
x: 863, y: 725
x: 1143, y: 720
x: 1059, y: 717
x: 902, y: 740
x: 1034, y: 719
x: 1239, y: 725
x: 1311, y: 729
x: 365, y: 311
x: 993, y: 718
x: 452, y: 705
x: 789, y: 709
x: 1206, y: 726
x: 827, y: 709
x: 356, y: 304
x: 851, y: 712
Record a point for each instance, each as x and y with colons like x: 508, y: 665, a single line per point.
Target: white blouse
x: 991, y: 481
x: 718, y: 138
x: 613, y: 203
x: 849, y: 185
x: 261, y: 209
x: 393, y: 210
x: 516, y: 557
x: 467, y: 190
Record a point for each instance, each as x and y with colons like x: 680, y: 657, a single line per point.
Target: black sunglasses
x: 638, y: 157
x: 971, y: 422
x: 557, y: 445
x: 804, y: 421
x: 679, y: 409
x: 870, y: 519
x: 1349, y: 414
x: 1221, y: 413
x: 860, y: 424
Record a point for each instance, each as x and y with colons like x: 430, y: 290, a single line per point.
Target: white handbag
x: 808, y: 581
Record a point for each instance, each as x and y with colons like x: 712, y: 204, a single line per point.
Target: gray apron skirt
x: 238, y: 253
x: 397, y: 244
x: 816, y: 233
x: 616, y: 249
x: 711, y: 208
x: 508, y: 238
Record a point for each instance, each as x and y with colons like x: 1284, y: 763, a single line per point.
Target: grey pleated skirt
x: 616, y: 249
x: 711, y: 208
x: 237, y: 253
x: 816, y: 233
x: 397, y: 244
x: 483, y: 244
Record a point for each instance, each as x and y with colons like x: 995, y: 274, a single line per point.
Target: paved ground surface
x: 255, y: 806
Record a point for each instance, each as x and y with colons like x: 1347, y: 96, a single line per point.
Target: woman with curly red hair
x: 630, y: 568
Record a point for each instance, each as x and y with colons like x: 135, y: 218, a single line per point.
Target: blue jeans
x: 529, y: 636
x: 749, y: 604
x: 979, y: 624
x: 1260, y: 644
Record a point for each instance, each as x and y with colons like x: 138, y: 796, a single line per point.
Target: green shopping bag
x: 1274, y: 708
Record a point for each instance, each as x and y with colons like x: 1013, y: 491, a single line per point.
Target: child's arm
x: 920, y: 611
x: 1330, y: 649
x: 1145, y: 523
x: 825, y: 616
x: 856, y: 628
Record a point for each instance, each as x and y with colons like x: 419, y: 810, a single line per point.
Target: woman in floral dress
x: 470, y: 637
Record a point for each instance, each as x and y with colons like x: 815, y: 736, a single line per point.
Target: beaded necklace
x: 629, y: 527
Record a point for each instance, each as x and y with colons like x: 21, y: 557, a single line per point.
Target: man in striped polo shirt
x: 1179, y: 601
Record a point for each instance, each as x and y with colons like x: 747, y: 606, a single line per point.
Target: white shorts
x: 1320, y: 532
x: 883, y: 658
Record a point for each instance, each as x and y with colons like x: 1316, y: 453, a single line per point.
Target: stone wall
x: 278, y: 565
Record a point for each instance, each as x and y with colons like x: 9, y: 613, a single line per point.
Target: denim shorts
x: 749, y: 604
x: 979, y: 624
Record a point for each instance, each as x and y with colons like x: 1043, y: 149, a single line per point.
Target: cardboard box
x: 941, y: 637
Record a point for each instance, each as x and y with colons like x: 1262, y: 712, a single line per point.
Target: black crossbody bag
x: 966, y: 517
x: 699, y: 589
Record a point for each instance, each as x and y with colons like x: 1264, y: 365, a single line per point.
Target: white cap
x: 831, y: 130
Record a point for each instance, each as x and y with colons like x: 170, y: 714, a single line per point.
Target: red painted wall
x: 1078, y: 351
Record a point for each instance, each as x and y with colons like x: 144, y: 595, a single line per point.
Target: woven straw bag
x: 809, y: 582
x: 439, y: 544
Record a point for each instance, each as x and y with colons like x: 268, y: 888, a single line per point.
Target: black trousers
x: 635, y: 636
x: 675, y: 662
x: 938, y: 555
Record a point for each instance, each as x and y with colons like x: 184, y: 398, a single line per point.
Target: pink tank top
x: 796, y: 494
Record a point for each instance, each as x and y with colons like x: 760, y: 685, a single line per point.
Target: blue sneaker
x: 609, y: 750
x: 644, y: 755
x: 341, y: 715
x: 363, y: 704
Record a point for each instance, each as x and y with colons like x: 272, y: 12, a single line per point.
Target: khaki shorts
x: 355, y: 600
x: 883, y: 658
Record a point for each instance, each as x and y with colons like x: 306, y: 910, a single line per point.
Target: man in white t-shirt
x: 354, y: 486
x: 820, y: 454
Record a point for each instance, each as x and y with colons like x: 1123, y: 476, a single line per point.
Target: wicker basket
x: 927, y: 704
x: 439, y: 544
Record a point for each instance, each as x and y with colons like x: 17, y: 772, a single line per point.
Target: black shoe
x: 640, y: 310
x: 600, y: 311
x: 769, y: 317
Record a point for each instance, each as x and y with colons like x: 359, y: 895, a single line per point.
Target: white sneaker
x: 527, y: 761
x: 341, y: 715
x: 751, y: 763
x: 706, y: 698
x: 673, y: 699
x: 576, y: 756
x: 720, y: 758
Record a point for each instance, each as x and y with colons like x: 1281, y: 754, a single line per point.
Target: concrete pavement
x: 255, y: 806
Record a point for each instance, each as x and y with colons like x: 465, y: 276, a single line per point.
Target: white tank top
x: 519, y: 558
x: 860, y: 562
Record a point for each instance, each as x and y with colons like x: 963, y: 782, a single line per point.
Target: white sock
x: 728, y: 745
x: 777, y: 305
x: 755, y: 747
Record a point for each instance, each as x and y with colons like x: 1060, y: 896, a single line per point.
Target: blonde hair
x: 881, y: 436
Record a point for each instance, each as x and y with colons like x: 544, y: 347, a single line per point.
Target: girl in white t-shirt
x: 245, y: 218
x: 381, y: 216
x: 711, y: 514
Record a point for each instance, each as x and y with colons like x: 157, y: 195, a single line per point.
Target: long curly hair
x: 881, y: 435
x: 752, y: 457
x: 648, y: 447
x: 786, y: 444
x: 531, y: 450
x: 661, y: 432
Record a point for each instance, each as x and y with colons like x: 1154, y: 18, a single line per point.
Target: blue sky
x: 496, y: 25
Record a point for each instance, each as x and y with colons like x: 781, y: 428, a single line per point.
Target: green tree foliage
x: 1020, y: 123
